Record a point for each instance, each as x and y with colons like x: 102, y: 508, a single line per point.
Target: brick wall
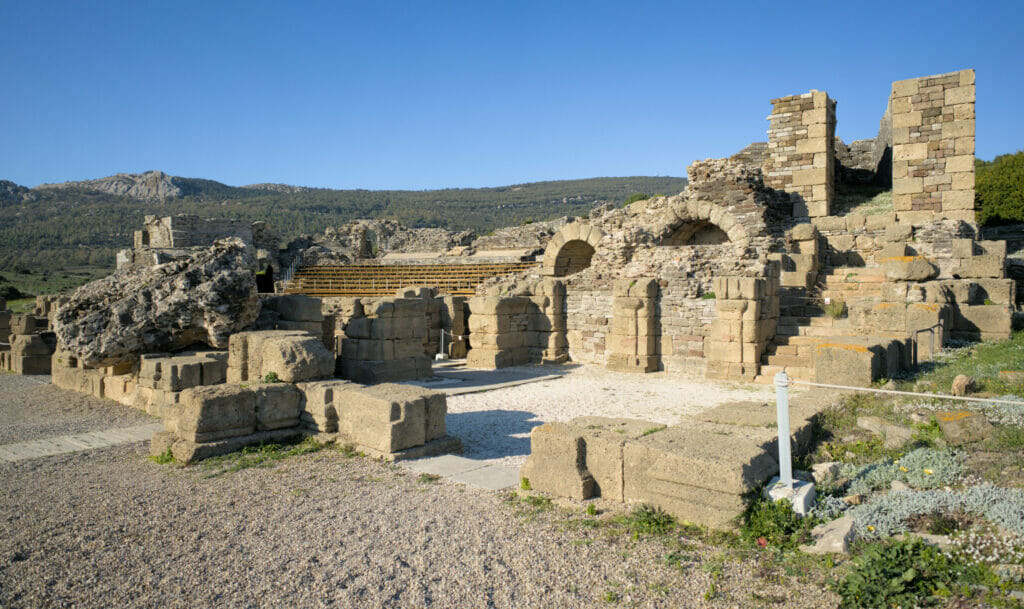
x: 933, y: 147
x: 801, y: 157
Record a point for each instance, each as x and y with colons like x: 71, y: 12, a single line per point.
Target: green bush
x: 999, y: 188
x: 636, y: 196
x: 775, y: 524
x: 899, y: 574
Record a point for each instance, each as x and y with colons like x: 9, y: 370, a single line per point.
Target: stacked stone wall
x: 516, y: 330
x: 190, y: 231
x: 385, y: 343
x: 802, y: 155
x: 636, y: 331
x: 933, y: 147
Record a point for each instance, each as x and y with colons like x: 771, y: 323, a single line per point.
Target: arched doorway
x: 573, y: 257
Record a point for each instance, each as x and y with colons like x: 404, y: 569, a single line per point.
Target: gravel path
x: 32, y: 409
x: 495, y: 425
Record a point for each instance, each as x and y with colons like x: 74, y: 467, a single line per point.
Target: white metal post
x: 782, y: 413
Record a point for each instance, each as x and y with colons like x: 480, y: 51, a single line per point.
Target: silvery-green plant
x: 921, y: 468
x: 888, y: 514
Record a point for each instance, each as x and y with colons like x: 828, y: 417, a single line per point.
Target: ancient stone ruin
x: 756, y: 268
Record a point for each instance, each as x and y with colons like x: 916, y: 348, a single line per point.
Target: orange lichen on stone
x: 848, y: 347
x: 952, y: 416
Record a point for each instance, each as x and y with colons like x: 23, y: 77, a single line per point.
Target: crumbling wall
x: 190, y: 231
x: 384, y: 341
x: 801, y: 139
x: 636, y: 333
x: 529, y: 327
x: 933, y: 147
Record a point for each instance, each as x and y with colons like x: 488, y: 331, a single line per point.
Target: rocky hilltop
x: 13, y: 193
x: 143, y: 186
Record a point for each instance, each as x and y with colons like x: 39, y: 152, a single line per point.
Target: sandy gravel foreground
x: 109, y: 528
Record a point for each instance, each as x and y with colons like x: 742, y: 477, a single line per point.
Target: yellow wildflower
x: 929, y: 472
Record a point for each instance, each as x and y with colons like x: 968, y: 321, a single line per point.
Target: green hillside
x: 62, y: 228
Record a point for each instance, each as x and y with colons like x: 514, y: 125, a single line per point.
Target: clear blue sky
x: 436, y: 94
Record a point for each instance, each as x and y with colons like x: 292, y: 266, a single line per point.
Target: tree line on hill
x: 71, y: 226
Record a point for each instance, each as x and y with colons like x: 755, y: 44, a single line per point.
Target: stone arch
x: 703, y: 222
x: 571, y: 249
x: 696, y: 233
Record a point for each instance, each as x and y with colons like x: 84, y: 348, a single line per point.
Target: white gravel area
x: 495, y: 425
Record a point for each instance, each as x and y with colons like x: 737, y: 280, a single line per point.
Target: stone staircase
x: 803, y: 323
x: 850, y: 284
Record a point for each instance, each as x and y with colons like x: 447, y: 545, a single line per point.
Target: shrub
x: 999, y: 188
x: 775, y: 523
x: 900, y: 574
x: 271, y: 377
x: 636, y: 196
x: 835, y: 309
x: 650, y: 520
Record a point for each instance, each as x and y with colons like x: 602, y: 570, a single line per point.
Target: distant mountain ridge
x: 86, y: 222
x: 143, y: 186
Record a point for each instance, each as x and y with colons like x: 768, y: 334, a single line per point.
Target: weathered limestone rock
x: 292, y: 356
x: 697, y: 476
x: 202, y: 298
x: 277, y: 406
x: 963, y: 426
x: 582, y: 458
x: 832, y: 537
x: 215, y: 413
x: 386, y: 419
x: 894, y: 436
x: 909, y: 268
x: 963, y: 385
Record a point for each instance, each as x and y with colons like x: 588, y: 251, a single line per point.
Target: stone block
x: 846, y: 363
x: 30, y: 345
x: 626, y: 362
x: 697, y: 476
x: 216, y: 412
x: 294, y: 358
x: 984, y: 265
x: 909, y: 268
x: 27, y: 324
x: 557, y: 462
x: 318, y: 405
x: 983, y: 321
x: 297, y: 307
x: 804, y: 232
x: 314, y: 328
x: 186, y: 451
x: 277, y: 405
x: 383, y: 418
x: 31, y: 364
x: 996, y: 291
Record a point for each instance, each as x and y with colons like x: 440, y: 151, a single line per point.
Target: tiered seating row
x: 384, y: 280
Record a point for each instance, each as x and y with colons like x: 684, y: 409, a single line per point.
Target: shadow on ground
x: 492, y: 434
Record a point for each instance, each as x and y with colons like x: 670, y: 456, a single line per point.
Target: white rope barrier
x: 941, y: 396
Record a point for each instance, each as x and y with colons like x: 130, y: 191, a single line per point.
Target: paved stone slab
x: 478, y: 474
x: 77, y: 442
x: 444, y: 465
x: 491, y: 477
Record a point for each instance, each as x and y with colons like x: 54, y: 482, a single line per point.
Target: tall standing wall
x: 933, y: 147
x: 801, y: 147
